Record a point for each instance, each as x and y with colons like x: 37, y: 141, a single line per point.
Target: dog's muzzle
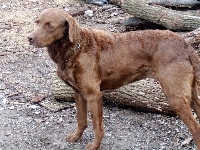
x: 31, y: 39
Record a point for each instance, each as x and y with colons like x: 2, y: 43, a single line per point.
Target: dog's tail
x: 195, y: 61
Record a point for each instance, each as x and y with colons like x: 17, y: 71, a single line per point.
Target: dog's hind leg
x: 182, y: 108
x: 176, y: 80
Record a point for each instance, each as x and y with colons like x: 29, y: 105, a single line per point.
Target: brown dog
x: 91, y: 61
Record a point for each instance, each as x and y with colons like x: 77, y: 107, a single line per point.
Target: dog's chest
x: 66, y: 75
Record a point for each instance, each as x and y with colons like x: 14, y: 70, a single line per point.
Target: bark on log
x: 145, y: 94
x: 171, y: 19
x: 194, y: 39
x: 177, y: 3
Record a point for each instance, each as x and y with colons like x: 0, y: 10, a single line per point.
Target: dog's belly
x: 118, y: 79
x: 109, y: 84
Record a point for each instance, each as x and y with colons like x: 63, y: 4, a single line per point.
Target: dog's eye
x: 49, y: 26
x: 37, y: 21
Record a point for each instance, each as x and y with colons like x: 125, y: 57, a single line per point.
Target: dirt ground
x: 25, y: 72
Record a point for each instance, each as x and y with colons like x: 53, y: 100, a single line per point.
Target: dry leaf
x: 39, y: 120
x: 38, y: 98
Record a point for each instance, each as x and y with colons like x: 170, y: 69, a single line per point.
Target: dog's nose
x: 30, y: 38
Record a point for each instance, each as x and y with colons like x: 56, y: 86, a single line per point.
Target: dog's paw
x: 92, y: 146
x: 72, y: 138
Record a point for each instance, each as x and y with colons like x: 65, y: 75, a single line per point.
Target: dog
x: 91, y: 60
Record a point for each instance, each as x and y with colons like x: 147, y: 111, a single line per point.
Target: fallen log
x: 145, y: 94
x: 194, y: 39
x: 171, y: 19
x: 177, y: 3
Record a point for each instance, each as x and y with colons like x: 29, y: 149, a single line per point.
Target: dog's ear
x: 72, y: 28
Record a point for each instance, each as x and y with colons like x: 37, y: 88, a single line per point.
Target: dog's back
x: 127, y: 57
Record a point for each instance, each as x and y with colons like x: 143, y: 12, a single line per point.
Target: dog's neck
x: 62, y: 50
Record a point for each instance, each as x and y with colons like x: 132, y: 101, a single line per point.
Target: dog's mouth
x: 34, y: 43
x: 31, y: 40
x: 31, y: 43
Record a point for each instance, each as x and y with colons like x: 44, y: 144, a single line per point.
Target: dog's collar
x: 78, y: 46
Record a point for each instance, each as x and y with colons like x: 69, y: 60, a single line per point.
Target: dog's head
x: 51, y: 25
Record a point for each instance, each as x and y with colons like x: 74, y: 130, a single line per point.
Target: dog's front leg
x: 81, y: 106
x: 94, y: 102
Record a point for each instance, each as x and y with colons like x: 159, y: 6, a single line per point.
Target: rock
x: 89, y: 13
x: 37, y: 112
x: 11, y: 107
x: 114, y: 14
x: 33, y: 106
x: 186, y: 141
x: 34, y: 1
x: 60, y: 120
x: 97, y: 2
x: 4, y: 6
